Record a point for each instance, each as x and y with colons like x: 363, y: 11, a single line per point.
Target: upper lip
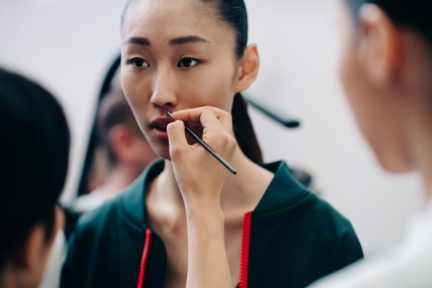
x: 161, y: 121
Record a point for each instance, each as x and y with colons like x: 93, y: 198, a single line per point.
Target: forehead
x: 174, y: 18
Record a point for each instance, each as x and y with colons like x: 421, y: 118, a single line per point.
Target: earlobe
x: 123, y: 141
x: 27, y: 256
x: 249, y: 67
x: 34, y: 248
x: 378, y: 47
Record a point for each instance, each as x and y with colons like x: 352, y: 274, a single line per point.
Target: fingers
x: 206, y: 115
x: 177, y: 138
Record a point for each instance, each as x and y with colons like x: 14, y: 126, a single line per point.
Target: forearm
x: 208, y: 263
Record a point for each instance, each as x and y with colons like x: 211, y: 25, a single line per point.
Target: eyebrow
x: 176, y: 41
x: 187, y: 39
x: 138, y: 40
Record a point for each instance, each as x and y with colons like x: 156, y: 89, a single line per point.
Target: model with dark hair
x: 386, y: 68
x: 260, y: 226
x: 34, y: 149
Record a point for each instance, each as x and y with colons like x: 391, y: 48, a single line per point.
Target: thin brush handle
x: 207, y: 147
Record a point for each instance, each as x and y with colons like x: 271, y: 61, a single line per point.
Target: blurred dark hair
x: 414, y: 14
x: 233, y: 12
x: 34, y: 150
x: 114, y: 109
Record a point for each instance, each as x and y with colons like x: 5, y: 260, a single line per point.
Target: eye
x: 187, y: 62
x: 138, y: 63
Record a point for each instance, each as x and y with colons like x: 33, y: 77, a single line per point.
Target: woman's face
x: 176, y: 54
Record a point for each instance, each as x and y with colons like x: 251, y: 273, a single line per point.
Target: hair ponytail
x: 243, y: 130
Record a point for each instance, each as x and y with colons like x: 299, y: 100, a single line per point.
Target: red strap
x: 144, y: 257
x: 244, y: 261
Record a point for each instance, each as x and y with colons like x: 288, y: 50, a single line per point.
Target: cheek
x: 348, y: 70
x: 211, y: 93
x: 370, y: 112
x: 356, y: 94
x: 213, y: 87
x: 349, y: 78
x: 134, y: 89
x: 356, y: 91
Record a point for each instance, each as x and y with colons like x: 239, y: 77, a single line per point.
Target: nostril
x: 162, y: 98
x: 169, y: 105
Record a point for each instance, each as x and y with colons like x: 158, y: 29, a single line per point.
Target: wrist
x: 207, y: 225
x: 205, y: 213
x: 202, y: 202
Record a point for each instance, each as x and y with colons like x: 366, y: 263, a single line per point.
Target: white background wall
x: 67, y: 46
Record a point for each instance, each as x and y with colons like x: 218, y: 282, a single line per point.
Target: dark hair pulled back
x: 414, y: 14
x: 233, y: 13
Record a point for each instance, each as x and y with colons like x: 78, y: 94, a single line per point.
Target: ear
x: 120, y: 138
x: 249, y: 66
x: 379, y: 47
x: 29, y: 256
x: 25, y: 266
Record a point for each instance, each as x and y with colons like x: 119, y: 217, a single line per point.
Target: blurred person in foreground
x: 386, y: 71
x: 123, y: 151
x: 34, y: 147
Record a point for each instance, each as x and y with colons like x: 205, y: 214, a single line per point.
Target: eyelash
x: 188, y: 58
x: 133, y: 62
x: 139, y: 62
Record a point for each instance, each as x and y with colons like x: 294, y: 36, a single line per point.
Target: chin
x: 388, y: 150
x: 162, y: 149
x: 393, y: 162
x: 165, y: 155
x: 160, y: 146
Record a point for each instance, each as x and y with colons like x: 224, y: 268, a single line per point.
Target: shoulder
x: 331, y: 230
x: 111, y: 213
x: 125, y: 209
x: 294, y: 209
x: 393, y: 268
x: 405, y: 265
x: 96, y: 235
x: 97, y: 217
x: 88, y: 202
x: 287, y: 196
x: 325, y: 213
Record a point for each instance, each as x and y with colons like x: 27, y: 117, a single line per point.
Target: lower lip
x: 160, y: 134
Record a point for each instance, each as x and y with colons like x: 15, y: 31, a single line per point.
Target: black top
x: 295, y: 239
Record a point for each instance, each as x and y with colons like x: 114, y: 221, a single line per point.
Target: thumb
x: 177, y: 138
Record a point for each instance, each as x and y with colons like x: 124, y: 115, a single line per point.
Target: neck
x: 240, y: 192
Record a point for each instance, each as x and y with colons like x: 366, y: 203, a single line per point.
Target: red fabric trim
x: 141, y: 275
x: 244, y: 261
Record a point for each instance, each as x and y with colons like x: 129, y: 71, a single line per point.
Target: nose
x: 163, y: 95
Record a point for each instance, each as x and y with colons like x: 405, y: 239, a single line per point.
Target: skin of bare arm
x: 205, y: 219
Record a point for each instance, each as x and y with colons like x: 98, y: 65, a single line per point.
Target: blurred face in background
x: 176, y: 54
